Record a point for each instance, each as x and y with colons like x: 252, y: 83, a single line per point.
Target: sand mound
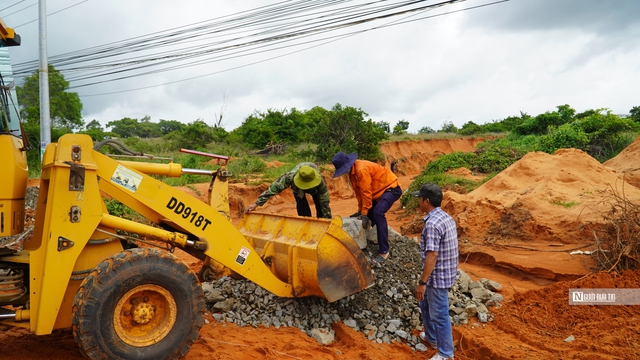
x: 627, y: 163
x: 465, y: 174
x: 543, y: 318
x: 273, y: 164
x: 540, y: 198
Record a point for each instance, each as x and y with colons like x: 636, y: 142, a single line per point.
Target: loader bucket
x: 315, y: 256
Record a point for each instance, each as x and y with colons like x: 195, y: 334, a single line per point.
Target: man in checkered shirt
x: 439, y: 249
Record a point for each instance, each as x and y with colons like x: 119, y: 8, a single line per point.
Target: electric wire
x: 17, y: 11
x: 55, y: 12
x: 269, y: 28
x: 336, y: 38
x: 125, y: 47
x: 12, y: 5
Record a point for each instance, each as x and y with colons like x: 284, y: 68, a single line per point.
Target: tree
x: 94, y: 129
x: 65, y: 107
x: 124, y: 127
x: 167, y: 126
x: 93, y: 124
x: 147, y: 129
x: 426, y: 130
x: 401, y: 127
x: 566, y: 113
x: 314, y: 117
x: 585, y: 114
x: 195, y: 135
x: 277, y: 126
x: 345, y: 129
x: 543, y: 123
x: 218, y: 118
x: 384, y: 126
x: 507, y: 124
x: 635, y: 114
x: 448, y: 127
x: 65, y: 110
x: 470, y: 128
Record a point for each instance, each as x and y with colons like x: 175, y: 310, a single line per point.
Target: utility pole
x: 45, y: 117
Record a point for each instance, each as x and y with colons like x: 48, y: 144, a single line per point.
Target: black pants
x: 302, y: 205
x: 377, y: 215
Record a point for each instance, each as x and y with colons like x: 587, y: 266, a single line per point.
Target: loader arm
x: 162, y: 203
x: 288, y: 256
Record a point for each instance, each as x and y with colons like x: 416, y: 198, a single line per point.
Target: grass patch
x: 566, y: 204
x: 272, y: 173
x: 440, y: 135
x: 116, y: 208
x: 246, y: 165
x: 446, y: 182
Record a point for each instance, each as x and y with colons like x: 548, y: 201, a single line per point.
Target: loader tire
x: 138, y: 304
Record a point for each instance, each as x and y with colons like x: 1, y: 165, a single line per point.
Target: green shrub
x: 247, y: 165
x: 565, y: 136
x: 345, y: 129
x: 446, y: 183
x: 116, y: 208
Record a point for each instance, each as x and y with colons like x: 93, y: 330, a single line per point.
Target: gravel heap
x: 386, y: 312
x: 31, y: 198
x: 15, y: 242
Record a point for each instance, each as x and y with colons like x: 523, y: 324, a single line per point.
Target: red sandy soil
x: 517, y: 229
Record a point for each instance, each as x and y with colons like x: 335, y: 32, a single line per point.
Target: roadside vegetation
x: 317, y: 134
x: 598, y: 132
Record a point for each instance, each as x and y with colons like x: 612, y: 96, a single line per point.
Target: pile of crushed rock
x: 15, y: 242
x: 386, y: 312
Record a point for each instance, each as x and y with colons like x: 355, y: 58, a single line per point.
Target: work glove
x: 355, y: 214
x: 366, y: 223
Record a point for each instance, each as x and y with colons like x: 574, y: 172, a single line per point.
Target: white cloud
x: 478, y: 65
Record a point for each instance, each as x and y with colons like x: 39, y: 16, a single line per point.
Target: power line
x: 12, y: 5
x: 265, y: 29
x: 336, y: 38
x: 55, y: 12
x: 17, y: 11
x: 341, y: 18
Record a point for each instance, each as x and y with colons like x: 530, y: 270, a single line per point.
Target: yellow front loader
x: 142, y: 302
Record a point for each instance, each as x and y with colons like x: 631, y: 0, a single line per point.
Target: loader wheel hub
x: 144, y: 315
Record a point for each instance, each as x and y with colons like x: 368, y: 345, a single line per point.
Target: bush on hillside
x: 345, y: 129
x: 273, y: 126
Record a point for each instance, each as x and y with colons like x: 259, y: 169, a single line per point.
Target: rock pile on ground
x: 31, y: 198
x: 30, y: 202
x: 469, y: 298
x: 386, y: 312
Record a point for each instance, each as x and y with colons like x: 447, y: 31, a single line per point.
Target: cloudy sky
x: 461, y: 62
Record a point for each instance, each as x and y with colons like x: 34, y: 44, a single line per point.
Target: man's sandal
x: 379, y: 259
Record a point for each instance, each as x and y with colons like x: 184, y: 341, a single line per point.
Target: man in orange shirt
x: 376, y: 188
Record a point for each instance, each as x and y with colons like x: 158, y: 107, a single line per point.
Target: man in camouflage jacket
x: 303, y: 179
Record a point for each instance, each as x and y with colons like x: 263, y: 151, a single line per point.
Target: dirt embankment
x: 517, y: 229
x: 627, y: 164
x: 413, y: 155
x: 540, y: 199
